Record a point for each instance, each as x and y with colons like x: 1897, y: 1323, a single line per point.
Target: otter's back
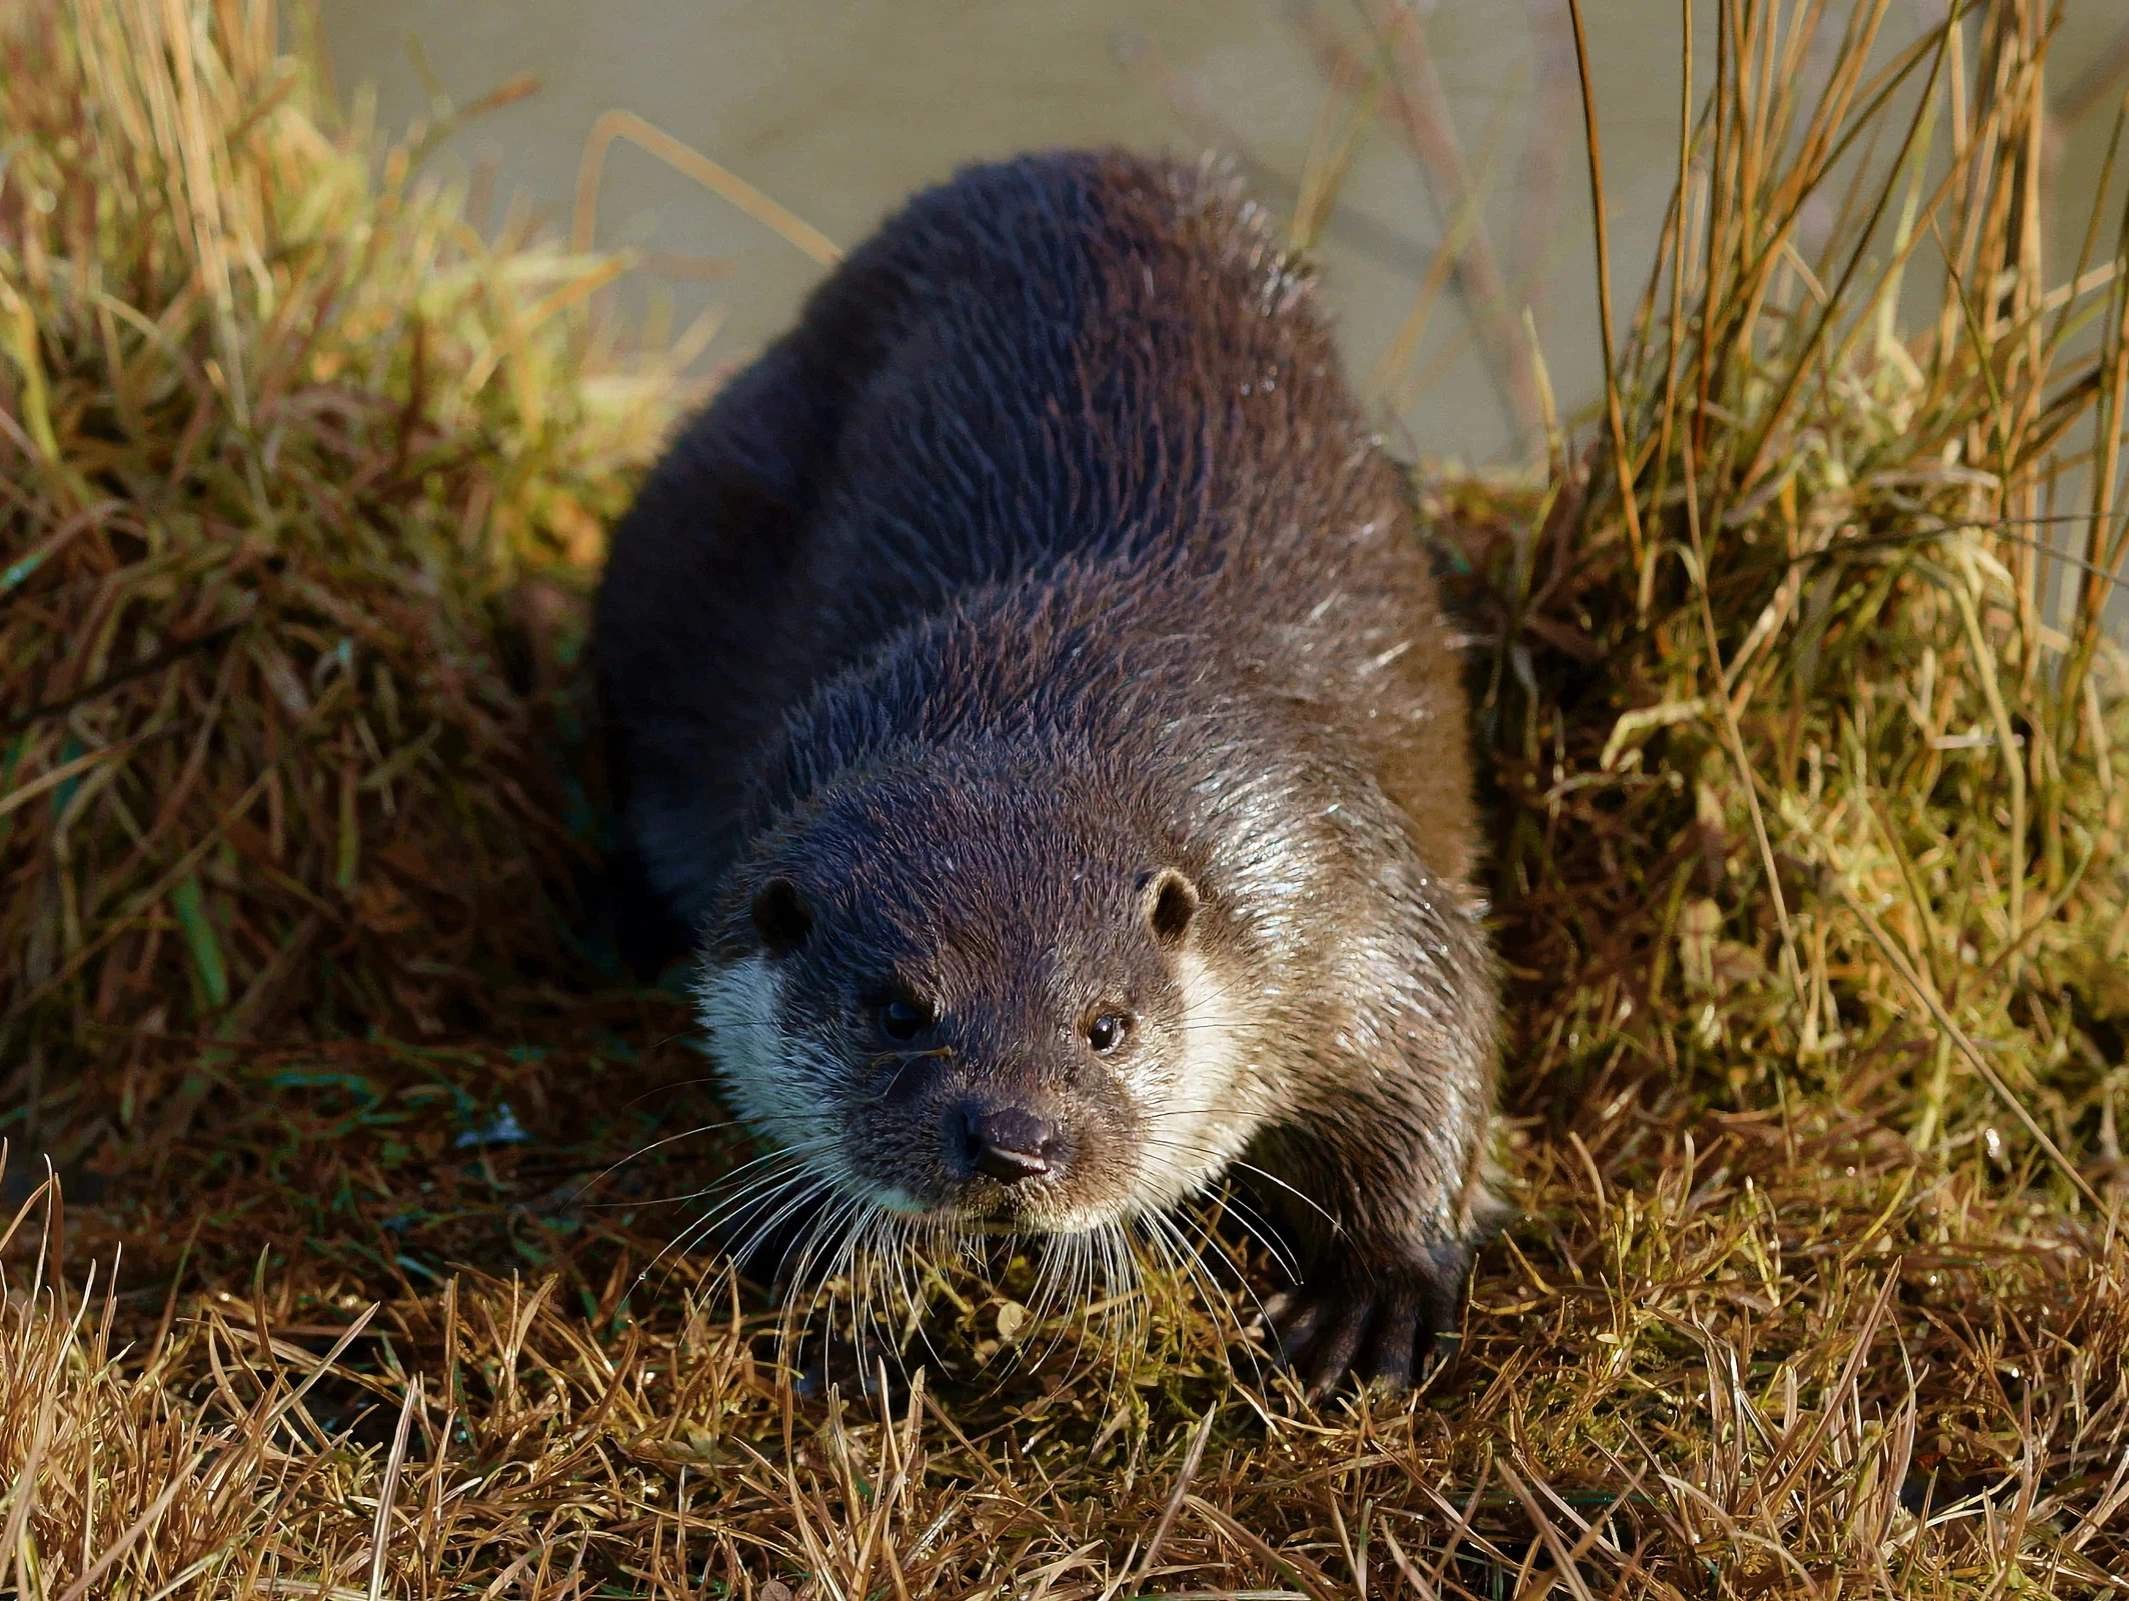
x: 1089, y: 357
x: 1061, y: 365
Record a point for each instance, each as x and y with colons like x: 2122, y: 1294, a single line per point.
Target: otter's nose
x: 1008, y: 1143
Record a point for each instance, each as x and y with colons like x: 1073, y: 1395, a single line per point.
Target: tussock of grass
x: 1808, y: 765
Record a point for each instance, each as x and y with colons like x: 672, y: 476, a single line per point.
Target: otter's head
x: 970, y: 997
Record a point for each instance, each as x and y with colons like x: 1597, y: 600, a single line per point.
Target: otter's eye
x: 1107, y: 1031
x: 903, y: 1018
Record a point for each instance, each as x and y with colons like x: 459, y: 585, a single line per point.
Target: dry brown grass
x: 1810, y: 781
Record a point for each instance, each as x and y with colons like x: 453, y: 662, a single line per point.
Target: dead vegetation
x: 1808, y: 764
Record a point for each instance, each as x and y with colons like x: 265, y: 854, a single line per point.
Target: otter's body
x: 1029, y: 694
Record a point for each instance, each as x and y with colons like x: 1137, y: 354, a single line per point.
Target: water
x: 838, y: 111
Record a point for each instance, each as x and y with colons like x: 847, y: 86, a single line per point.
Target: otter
x: 1030, y: 706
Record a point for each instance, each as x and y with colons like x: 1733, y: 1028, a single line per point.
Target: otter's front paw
x: 1389, y: 1324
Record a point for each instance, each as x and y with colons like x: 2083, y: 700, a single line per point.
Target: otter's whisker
x: 1197, y: 1274
x: 1118, y: 1310
x: 895, y: 1254
x: 1050, y: 1276
x: 764, y: 1188
x: 687, y: 1236
x: 769, y: 1210
x: 1258, y: 1228
x: 1220, y: 1301
x: 909, y: 1262
x: 1049, y: 1272
x: 754, y: 1219
x: 844, y: 1224
x: 876, y: 1248
x: 1239, y: 1165
x: 833, y: 1222
x: 1253, y: 1222
x: 1123, y: 1293
x: 859, y: 1264
x: 777, y: 1168
x: 1059, y: 1267
x: 644, y: 1150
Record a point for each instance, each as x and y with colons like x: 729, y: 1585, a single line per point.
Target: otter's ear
x: 1170, y: 903
x: 781, y: 916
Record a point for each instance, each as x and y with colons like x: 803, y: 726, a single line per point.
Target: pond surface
x: 837, y: 111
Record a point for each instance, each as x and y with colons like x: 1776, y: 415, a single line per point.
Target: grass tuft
x: 1809, y: 762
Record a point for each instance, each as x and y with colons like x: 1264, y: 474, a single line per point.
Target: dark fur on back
x: 1056, y: 487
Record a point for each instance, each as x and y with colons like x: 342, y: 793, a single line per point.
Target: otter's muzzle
x: 1006, y: 1143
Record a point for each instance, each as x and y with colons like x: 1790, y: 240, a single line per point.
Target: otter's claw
x: 1391, y: 1327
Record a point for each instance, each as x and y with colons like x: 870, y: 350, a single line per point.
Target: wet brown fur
x: 1050, y: 550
